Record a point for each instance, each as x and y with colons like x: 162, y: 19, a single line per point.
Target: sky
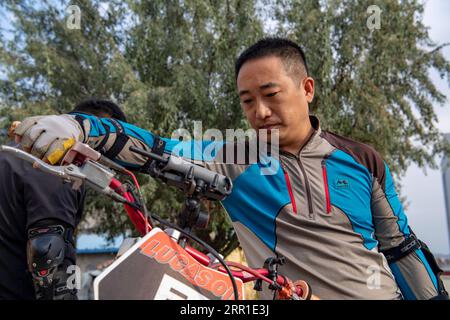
x: 424, y: 192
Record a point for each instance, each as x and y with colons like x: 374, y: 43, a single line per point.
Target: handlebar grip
x: 111, y: 164
x: 150, y: 155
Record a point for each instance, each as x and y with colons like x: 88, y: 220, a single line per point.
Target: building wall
x: 446, y: 182
x: 91, y: 264
x: 93, y: 261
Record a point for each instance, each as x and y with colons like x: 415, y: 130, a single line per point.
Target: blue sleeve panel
x: 394, y: 201
x: 202, y: 150
x: 427, y: 266
x: 405, y: 285
x: 402, y: 283
x: 407, y: 282
x: 258, y: 216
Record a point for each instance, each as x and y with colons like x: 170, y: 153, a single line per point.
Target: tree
x: 51, y: 67
x: 171, y: 62
x: 372, y: 85
x: 184, y: 51
x: 167, y: 63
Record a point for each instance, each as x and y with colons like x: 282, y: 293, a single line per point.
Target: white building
x: 94, y: 253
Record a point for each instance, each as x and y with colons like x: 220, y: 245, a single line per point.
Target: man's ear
x: 308, y: 85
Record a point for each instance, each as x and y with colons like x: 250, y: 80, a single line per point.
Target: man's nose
x: 262, y: 110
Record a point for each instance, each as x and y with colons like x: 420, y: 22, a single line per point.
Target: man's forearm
x: 415, y: 277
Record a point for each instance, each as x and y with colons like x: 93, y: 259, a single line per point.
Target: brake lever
x: 93, y: 174
x: 37, y: 163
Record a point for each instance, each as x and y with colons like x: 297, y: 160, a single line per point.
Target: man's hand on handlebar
x: 48, y: 137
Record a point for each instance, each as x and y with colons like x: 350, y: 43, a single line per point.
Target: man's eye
x: 271, y: 94
x: 247, y: 101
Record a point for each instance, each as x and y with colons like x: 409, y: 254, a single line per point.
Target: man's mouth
x: 270, y: 126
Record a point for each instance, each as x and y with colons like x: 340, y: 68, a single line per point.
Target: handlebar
x: 37, y: 163
x: 187, y: 176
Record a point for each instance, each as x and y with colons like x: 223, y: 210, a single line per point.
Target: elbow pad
x: 46, y: 251
x: 408, y: 246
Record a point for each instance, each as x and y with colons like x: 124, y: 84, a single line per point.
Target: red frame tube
x: 138, y: 220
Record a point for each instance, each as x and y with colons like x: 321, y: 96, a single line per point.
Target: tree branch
x: 439, y: 48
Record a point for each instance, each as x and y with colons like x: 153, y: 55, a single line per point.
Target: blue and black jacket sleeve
x: 114, y: 138
x: 412, y: 264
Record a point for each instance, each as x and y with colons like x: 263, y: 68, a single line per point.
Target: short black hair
x: 99, y: 105
x: 290, y: 53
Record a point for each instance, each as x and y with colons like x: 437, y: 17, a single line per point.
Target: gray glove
x: 49, y: 137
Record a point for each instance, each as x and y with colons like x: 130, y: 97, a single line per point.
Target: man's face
x: 272, y: 99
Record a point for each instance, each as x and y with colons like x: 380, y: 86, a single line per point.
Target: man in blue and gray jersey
x: 329, y: 207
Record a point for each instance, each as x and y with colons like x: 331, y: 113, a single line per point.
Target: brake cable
x: 199, y: 241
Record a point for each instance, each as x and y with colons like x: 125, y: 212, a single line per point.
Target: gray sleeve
x: 412, y: 273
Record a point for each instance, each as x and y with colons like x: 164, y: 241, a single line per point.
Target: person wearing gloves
x: 329, y: 206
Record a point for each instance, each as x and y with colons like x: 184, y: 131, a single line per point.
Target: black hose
x: 199, y: 241
x: 141, y: 200
x: 207, y: 247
